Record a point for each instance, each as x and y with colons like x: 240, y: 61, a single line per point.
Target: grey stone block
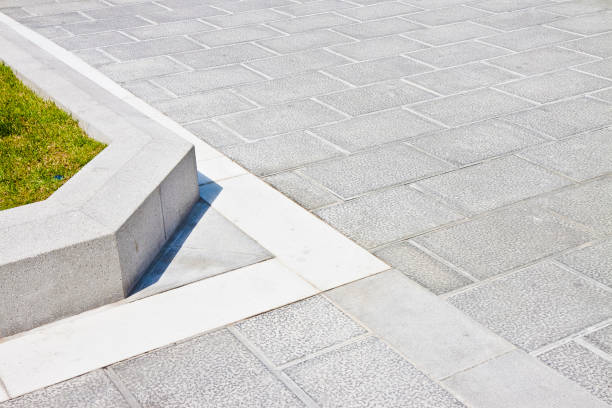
x: 230, y: 36
x: 376, y: 97
x: 315, y: 7
x: 213, y: 134
x: 386, y: 216
x: 363, y: 73
x: 180, y: 14
x: 422, y: 268
x: 122, y: 10
x: 447, y: 15
x: 142, y: 69
x: 388, y: 46
x: 278, y: 119
x: 305, y: 41
x: 374, y: 129
x: 602, y: 68
x: 246, y: 18
x: 93, y: 390
x: 499, y: 6
x: 289, y: 88
x: 299, y: 329
x: 211, y: 370
x: 116, y: 23
x: 464, y: 78
x: 599, y: 45
x: 541, y: 60
x: 202, y: 106
x: 519, y: 19
x: 536, y: 306
x: 170, y: 29
x: 528, y: 38
x: 493, y: 184
x: 380, y: 10
x: 457, y: 54
x: 589, y: 24
x: 435, y: 4
x: 198, y: 81
x: 285, y: 65
x: 281, y: 153
x: 80, y: 42
x: 480, y: 141
x: 604, y: 95
x: 601, y: 338
x: 471, y: 106
x: 308, y: 23
x: 248, y: 5
x: 368, y: 373
x: 357, y: 174
x: 53, y: 20
x: 378, y: 28
x: 462, y: 31
x: 93, y: 57
x: 213, y: 57
x: 52, y: 32
x: 565, y: 118
x: 578, y: 7
x: 581, y: 365
x: 593, y: 261
x: 301, y: 190
x: 58, y: 8
x: 151, y: 48
x: 500, y: 241
x: 147, y: 91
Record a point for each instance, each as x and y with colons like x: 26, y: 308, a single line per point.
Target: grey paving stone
x: 301, y: 190
x: 493, y: 184
x: 54, y: 20
x: 378, y: 48
x: 93, y: 390
x: 93, y: 57
x: 578, y: 7
x: 147, y: 91
x: 315, y: 7
x: 589, y: 24
x: 246, y: 18
x: 503, y: 240
x: 582, y: 157
x: 556, y: 85
x: 464, y: 30
x: 602, y: 68
x: 388, y: 215
x: 52, y: 32
x: 377, y: 28
x: 280, y: 119
x: 463, y: 78
x: 280, y: 153
x: 213, y: 57
x: 422, y: 268
x: 447, y: 15
x: 499, y: 6
x: 142, y: 69
x: 211, y: 370
x: 376, y: 97
x: 363, y: 73
x: 299, y: 329
x: 198, y: 81
x: 472, y: 143
x: 16, y: 13
x: 581, y: 365
x: 305, y: 41
x: 228, y: 36
x: 151, y: 48
x: 248, y: 5
x: 519, y: 19
x: 540, y: 60
x: 457, y: 54
x: 116, y: 23
x: 284, y: 65
x: 289, y: 88
x: 80, y: 42
x: 589, y: 204
x: 201, y: 106
x: 436, y: 4
x: 180, y: 14
x: 123, y: 10
x: 365, y: 374
x: 599, y: 45
x: 593, y: 261
x: 307, y: 23
x: 58, y: 8
x: 170, y: 29
x: 565, y: 118
x: 374, y: 129
x: 380, y: 10
x: 357, y: 174
x: 601, y: 338
x: 528, y: 38
x: 213, y: 134
x: 536, y: 306
x: 605, y: 95
x: 471, y: 106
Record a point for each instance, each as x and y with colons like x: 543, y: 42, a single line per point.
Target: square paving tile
x: 353, y: 175
x: 503, y: 240
x: 536, y: 306
x: 299, y: 329
x: 541, y: 60
x: 386, y: 216
x: 593, y: 261
x: 302, y: 190
x: 368, y: 374
x: 601, y: 338
x: 213, y: 370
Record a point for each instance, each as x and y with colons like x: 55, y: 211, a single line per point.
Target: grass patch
x: 41, y: 146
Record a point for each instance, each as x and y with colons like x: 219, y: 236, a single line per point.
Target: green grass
x: 41, y: 146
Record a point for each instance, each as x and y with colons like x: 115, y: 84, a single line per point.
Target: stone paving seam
x: 578, y: 335
x: 123, y: 390
x: 581, y: 275
x: 593, y: 348
x: 443, y: 261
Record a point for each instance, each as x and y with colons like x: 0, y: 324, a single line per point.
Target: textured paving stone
x: 151, y: 48
x: 147, y: 91
x: 471, y: 107
x: 457, y: 54
x: 234, y: 35
x: 380, y: 10
x: 602, y: 68
x: 170, y: 29
x: 519, y: 19
x: 353, y: 175
x: 281, y: 153
x: 604, y: 95
x: 540, y: 60
x: 292, y: 64
x: 52, y: 32
x: 499, y: 6
x: 180, y: 14
x: 503, y: 240
x: 588, y: 24
x: 528, y: 38
x: 211, y: 370
x: 599, y: 45
x: 302, y: 190
x: 116, y: 23
x: 376, y: 97
x: 447, y: 15
x: 315, y: 7
x: 480, y: 141
x: 299, y: 329
x: 80, y: 42
x: 465, y: 30
x: 93, y: 390
x: 305, y: 41
x: 245, y: 18
x: 93, y: 57
x: 363, y: 73
x: 376, y: 128
x: 280, y: 119
x: 378, y: 28
x: 422, y: 268
x: 198, y: 81
x: 57, y: 8
x: 388, y: 215
x: 307, y: 23
x: 581, y: 365
x: 365, y: 374
x: 213, y: 134
x: 537, y: 305
x: 213, y: 57
x: 202, y: 106
x: 142, y: 69
x: 577, y: 7
x: 122, y: 9
x: 601, y: 338
x: 248, y: 5
x: 57, y: 19
x: 593, y: 261
x: 378, y: 48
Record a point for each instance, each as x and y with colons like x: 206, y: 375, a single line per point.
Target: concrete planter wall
x: 89, y: 243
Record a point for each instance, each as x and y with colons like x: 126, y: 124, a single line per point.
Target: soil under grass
x: 41, y: 146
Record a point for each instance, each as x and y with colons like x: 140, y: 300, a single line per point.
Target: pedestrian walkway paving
x: 466, y: 143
